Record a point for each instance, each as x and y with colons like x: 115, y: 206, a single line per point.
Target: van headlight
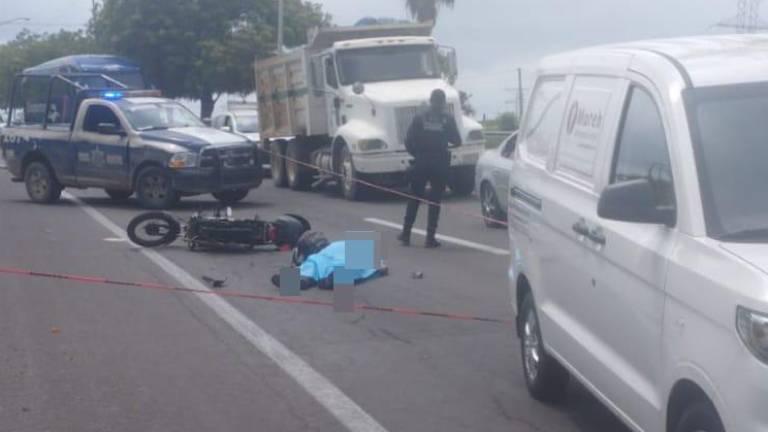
x: 183, y: 160
x: 371, y: 145
x: 753, y: 329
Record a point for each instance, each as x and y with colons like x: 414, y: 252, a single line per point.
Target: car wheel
x: 299, y: 175
x: 231, y: 196
x: 489, y: 204
x: 118, y: 195
x: 154, y: 189
x: 700, y: 417
x: 545, y: 378
x: 277, y: 163
x: 462, y: 181
x: 351, y: 188
x: 42, y: 186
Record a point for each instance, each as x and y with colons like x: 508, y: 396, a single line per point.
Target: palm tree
x: 426, y: 10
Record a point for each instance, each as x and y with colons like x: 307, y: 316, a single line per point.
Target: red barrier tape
x: 223, y: 293
x: 385, y: 189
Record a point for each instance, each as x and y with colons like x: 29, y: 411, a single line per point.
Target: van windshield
x: 389, y: 63
x: 159, y: 116
x: 730, y: 135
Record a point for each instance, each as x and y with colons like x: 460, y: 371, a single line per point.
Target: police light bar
x: 112, y: 95
x: 120, y: 94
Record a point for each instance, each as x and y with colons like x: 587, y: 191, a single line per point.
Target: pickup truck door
x: 102, y: 156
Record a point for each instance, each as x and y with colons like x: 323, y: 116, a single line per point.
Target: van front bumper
x: 208, y: 180
x: 391, y: 162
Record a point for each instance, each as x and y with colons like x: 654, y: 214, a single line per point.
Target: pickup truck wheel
x: 546, y: 379
x: 489, y: 204
x: 118, y: 195
x: 277, y: 163
x: 299, y: 176
x: 462, y: 180
x: 231, y: 196
x: 154, y: 189
x: 351, y: 188
x: 42, y: 186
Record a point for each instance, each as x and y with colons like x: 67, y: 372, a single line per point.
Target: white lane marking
x: 447, y: 239
x: 114, y: 240
x: 344, y: 409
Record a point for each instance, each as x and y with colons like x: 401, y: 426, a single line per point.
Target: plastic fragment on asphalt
x: 215, y: 282
x: 417, y: 275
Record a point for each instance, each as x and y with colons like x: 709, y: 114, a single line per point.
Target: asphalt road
x: 89, y: 357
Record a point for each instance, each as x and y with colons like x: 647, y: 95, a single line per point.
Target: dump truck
x: 337, y: 110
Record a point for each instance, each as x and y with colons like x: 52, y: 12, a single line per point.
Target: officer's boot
x: 405, y: 236
x: 431, y: 242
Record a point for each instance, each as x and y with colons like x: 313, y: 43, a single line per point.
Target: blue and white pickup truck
x: 120, y: 140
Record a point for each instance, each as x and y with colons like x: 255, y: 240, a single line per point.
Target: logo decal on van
x: 583, y: 118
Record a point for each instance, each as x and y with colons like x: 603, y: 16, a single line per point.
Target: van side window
x: 98, y: 114
x: 642, y: 148
x: 542, y: 126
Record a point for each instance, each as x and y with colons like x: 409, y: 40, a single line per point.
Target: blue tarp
x: 321, y: 265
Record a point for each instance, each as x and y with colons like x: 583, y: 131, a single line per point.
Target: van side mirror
x: 358, y: 88
x: 634, y: 201
x: 109, y: 129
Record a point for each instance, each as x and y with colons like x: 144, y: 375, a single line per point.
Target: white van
x: 639, y: 225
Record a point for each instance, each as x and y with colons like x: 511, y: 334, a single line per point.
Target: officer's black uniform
x: 428, y: 140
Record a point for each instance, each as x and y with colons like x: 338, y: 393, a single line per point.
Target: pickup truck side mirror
x: 109, y: 129
x: 634, y: 201
x: 227, y: 128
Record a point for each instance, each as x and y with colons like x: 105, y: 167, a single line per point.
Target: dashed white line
x: 445, y: 238
x: 341, y: 406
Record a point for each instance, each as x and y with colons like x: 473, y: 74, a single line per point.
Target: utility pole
x: 520, y: 102
x: 280, y: 25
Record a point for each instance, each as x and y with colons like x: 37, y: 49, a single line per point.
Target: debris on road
x: 417, y: 275
x: 215, y: 282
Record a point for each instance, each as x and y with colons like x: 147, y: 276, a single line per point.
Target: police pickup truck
x: 123, y: 141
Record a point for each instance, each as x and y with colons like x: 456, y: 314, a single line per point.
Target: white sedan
x: 493, y: 171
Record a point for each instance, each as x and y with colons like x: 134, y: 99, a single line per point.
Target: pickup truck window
x: 641, y: 151
x: 29, y: 101
x: 160, y: 115
x: 99, y: 114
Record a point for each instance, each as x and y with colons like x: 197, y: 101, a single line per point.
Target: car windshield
x: 387, y: 64
x: 247, y: 123
x: 160, y: 115
x: 730, y: 133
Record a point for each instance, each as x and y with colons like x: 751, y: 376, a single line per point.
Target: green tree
x: 30, y: 49
x: 427, y: 10
x: 200, y: 49
x: 507, y: 121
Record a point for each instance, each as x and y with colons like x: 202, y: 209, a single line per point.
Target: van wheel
x: 298, y: 175
x: 351, y: 188
x: 545, y: 378
x: 231, y: 196
x: 489, y: 204
x: 118, y: 195
x: 277, y: 163
x: 700, y: 417
x: 154, y: 189
x: 462, y: 181
x: 42, y: 186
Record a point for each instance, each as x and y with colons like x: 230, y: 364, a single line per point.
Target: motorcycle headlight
x: 183, y: 160
x: 372, y: 145
x: 753, y: 329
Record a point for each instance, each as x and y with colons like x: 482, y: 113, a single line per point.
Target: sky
x: 492, y: 37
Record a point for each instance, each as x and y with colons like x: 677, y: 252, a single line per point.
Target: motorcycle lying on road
x: 216, y: 230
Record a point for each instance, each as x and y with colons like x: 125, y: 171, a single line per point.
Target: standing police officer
x: 428, y: 140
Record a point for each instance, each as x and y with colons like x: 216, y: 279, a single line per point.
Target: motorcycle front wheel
x: 153, y: 229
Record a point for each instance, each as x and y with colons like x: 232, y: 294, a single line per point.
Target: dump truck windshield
x: 389, y: 63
